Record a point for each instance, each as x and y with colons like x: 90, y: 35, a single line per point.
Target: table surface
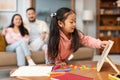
x: 102, y: 75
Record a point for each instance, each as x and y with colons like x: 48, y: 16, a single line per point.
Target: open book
x: 32, y: 71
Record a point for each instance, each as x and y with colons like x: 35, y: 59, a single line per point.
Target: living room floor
x: 4, y: 74
x: 114, y: 57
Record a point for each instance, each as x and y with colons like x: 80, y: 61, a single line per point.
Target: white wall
x: 5, y: 17
x: 80, y: 6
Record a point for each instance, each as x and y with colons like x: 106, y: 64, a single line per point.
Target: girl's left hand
x: 62, y: 64
x: 103, y: 44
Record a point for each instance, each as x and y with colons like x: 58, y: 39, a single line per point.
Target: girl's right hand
x: 103, y: 44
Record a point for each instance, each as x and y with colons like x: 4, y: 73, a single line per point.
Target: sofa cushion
x: 83, y: 53
x: 9, y: 58
x: 38, y: 57
x: 2, y: 43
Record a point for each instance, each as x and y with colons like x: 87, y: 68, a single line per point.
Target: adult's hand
x: 43, y: 35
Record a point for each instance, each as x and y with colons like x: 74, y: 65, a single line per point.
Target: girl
x: 65, y: 39
x: 17, y: 39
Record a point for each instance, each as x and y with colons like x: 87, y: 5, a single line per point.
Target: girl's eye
x: 71, y: 22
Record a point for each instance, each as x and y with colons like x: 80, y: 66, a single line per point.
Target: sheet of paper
x: 32, y: 71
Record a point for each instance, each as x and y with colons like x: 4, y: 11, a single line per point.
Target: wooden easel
x: 105, y: 56
x: 112, y: 64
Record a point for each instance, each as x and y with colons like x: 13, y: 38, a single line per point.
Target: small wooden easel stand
x: 105, y: 56
x: 112, y: 64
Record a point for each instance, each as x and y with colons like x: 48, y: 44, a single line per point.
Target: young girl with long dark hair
x: 64, y: 38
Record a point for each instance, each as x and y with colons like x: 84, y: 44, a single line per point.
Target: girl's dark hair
x: 22, y: 29
x: 54, y: 36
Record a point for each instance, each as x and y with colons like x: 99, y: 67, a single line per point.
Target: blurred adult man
x: 38, y: 30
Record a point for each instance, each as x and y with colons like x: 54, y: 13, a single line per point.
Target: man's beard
x: 32, y: 20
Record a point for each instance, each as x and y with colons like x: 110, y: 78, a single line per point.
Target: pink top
x: 64, y: 45
x: 12, y: 37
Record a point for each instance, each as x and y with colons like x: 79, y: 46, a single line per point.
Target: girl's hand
x: 62, y: 64
x: 103, y: 44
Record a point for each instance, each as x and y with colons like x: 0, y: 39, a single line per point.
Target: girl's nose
x: 74, y: 24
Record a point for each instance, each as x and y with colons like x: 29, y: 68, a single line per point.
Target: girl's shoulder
x: 80, y: 32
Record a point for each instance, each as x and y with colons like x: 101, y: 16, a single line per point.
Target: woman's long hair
x: 54, y: 36
x: 22, y: 29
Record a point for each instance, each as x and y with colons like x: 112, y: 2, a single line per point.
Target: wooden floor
x: 5, y: 73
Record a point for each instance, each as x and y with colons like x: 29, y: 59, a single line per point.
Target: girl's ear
x: 60, y: 23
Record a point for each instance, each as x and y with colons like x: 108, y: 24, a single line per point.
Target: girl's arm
x: 91, y: 42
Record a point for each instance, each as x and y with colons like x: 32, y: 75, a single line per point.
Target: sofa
x: 9, y: 58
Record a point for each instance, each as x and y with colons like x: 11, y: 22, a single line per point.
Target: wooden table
x: 102, y: 75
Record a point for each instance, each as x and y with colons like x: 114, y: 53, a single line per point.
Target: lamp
x: 87, y: 16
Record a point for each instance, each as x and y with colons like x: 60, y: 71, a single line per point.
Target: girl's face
x: 17, y: 21
x: 69, y: 24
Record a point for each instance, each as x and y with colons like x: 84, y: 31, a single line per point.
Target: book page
x: 32, y: 71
